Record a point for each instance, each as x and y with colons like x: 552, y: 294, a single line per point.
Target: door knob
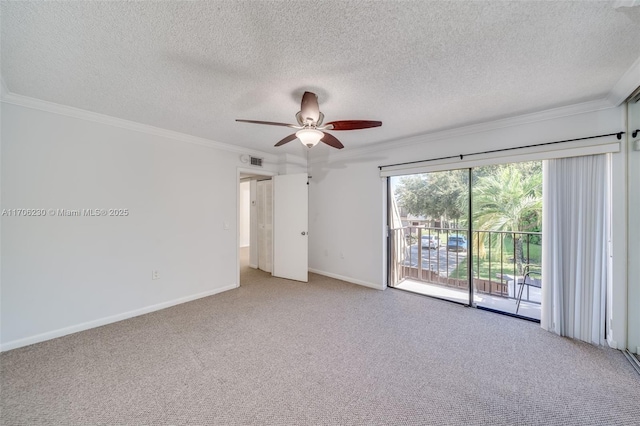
x: 303, y: 233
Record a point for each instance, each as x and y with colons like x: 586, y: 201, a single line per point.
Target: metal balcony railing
x: 439, y: 256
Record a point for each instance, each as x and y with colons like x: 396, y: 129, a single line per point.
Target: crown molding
x: 27, y: 102
x: 534, y: 117
x: 626, y: 3
x: 627, y: 84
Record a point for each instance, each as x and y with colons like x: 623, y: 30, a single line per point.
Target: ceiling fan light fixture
x: 309, y: 137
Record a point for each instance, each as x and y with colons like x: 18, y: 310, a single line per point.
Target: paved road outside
x: 441, y: 260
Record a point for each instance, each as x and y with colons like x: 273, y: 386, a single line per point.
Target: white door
x: 264, y: 201
x: 290, y: 220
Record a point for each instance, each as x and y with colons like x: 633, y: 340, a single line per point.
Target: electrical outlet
x: 155, y: 275
x: 225, y: 226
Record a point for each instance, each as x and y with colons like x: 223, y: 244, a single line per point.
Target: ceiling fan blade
x: 286, y: 140
x: 331, y: 141
x: 270, y: 123
x: 352, y: 124
x: 309, y: 109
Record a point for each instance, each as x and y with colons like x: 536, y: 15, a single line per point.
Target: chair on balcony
x: 529, y: 280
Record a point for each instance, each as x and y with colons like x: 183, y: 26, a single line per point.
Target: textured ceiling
x: 419, y: 67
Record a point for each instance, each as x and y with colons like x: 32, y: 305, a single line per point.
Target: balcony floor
x: 503, y: 304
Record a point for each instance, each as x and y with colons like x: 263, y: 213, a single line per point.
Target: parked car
x: 430, y: 242
x: 457, y: 243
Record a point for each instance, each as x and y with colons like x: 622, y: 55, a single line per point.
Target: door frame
x: 239, y: 171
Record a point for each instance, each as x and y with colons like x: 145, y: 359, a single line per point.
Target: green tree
x: 435, y: 195
x: 508, y: 198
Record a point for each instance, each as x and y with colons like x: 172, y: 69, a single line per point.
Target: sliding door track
x: 633, y: 360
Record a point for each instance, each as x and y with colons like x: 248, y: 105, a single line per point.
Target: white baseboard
x: 253, y: 266
x: 348, y: 279
x: 18, y: 343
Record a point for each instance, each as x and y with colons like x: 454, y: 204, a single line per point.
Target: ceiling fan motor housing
x: 309, y: 111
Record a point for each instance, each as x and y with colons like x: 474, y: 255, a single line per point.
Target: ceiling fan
x: 310, y: 127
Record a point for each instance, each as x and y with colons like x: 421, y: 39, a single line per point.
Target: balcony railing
x: 498, y: 259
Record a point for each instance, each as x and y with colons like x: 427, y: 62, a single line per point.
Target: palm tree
x: 505, y: 200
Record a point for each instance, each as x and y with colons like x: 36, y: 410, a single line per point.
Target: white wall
x: 346, y: 222
x: 346, y: 194
x: 64, y: 274
x: 245, y: 214
x: 291, y: 164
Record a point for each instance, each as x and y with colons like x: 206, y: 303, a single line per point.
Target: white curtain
x: 575, y: 238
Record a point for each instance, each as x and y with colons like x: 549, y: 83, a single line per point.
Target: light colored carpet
x: 327, y: 352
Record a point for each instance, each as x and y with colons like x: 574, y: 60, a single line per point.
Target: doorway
x: 255, y: 222
x: 278, y: 217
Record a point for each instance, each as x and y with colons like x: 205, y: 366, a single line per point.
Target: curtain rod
x: 618, y: 135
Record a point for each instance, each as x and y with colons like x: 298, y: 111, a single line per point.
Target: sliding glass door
x: 492, y: 261
x: 507, y: 246
x: 430, y: 234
